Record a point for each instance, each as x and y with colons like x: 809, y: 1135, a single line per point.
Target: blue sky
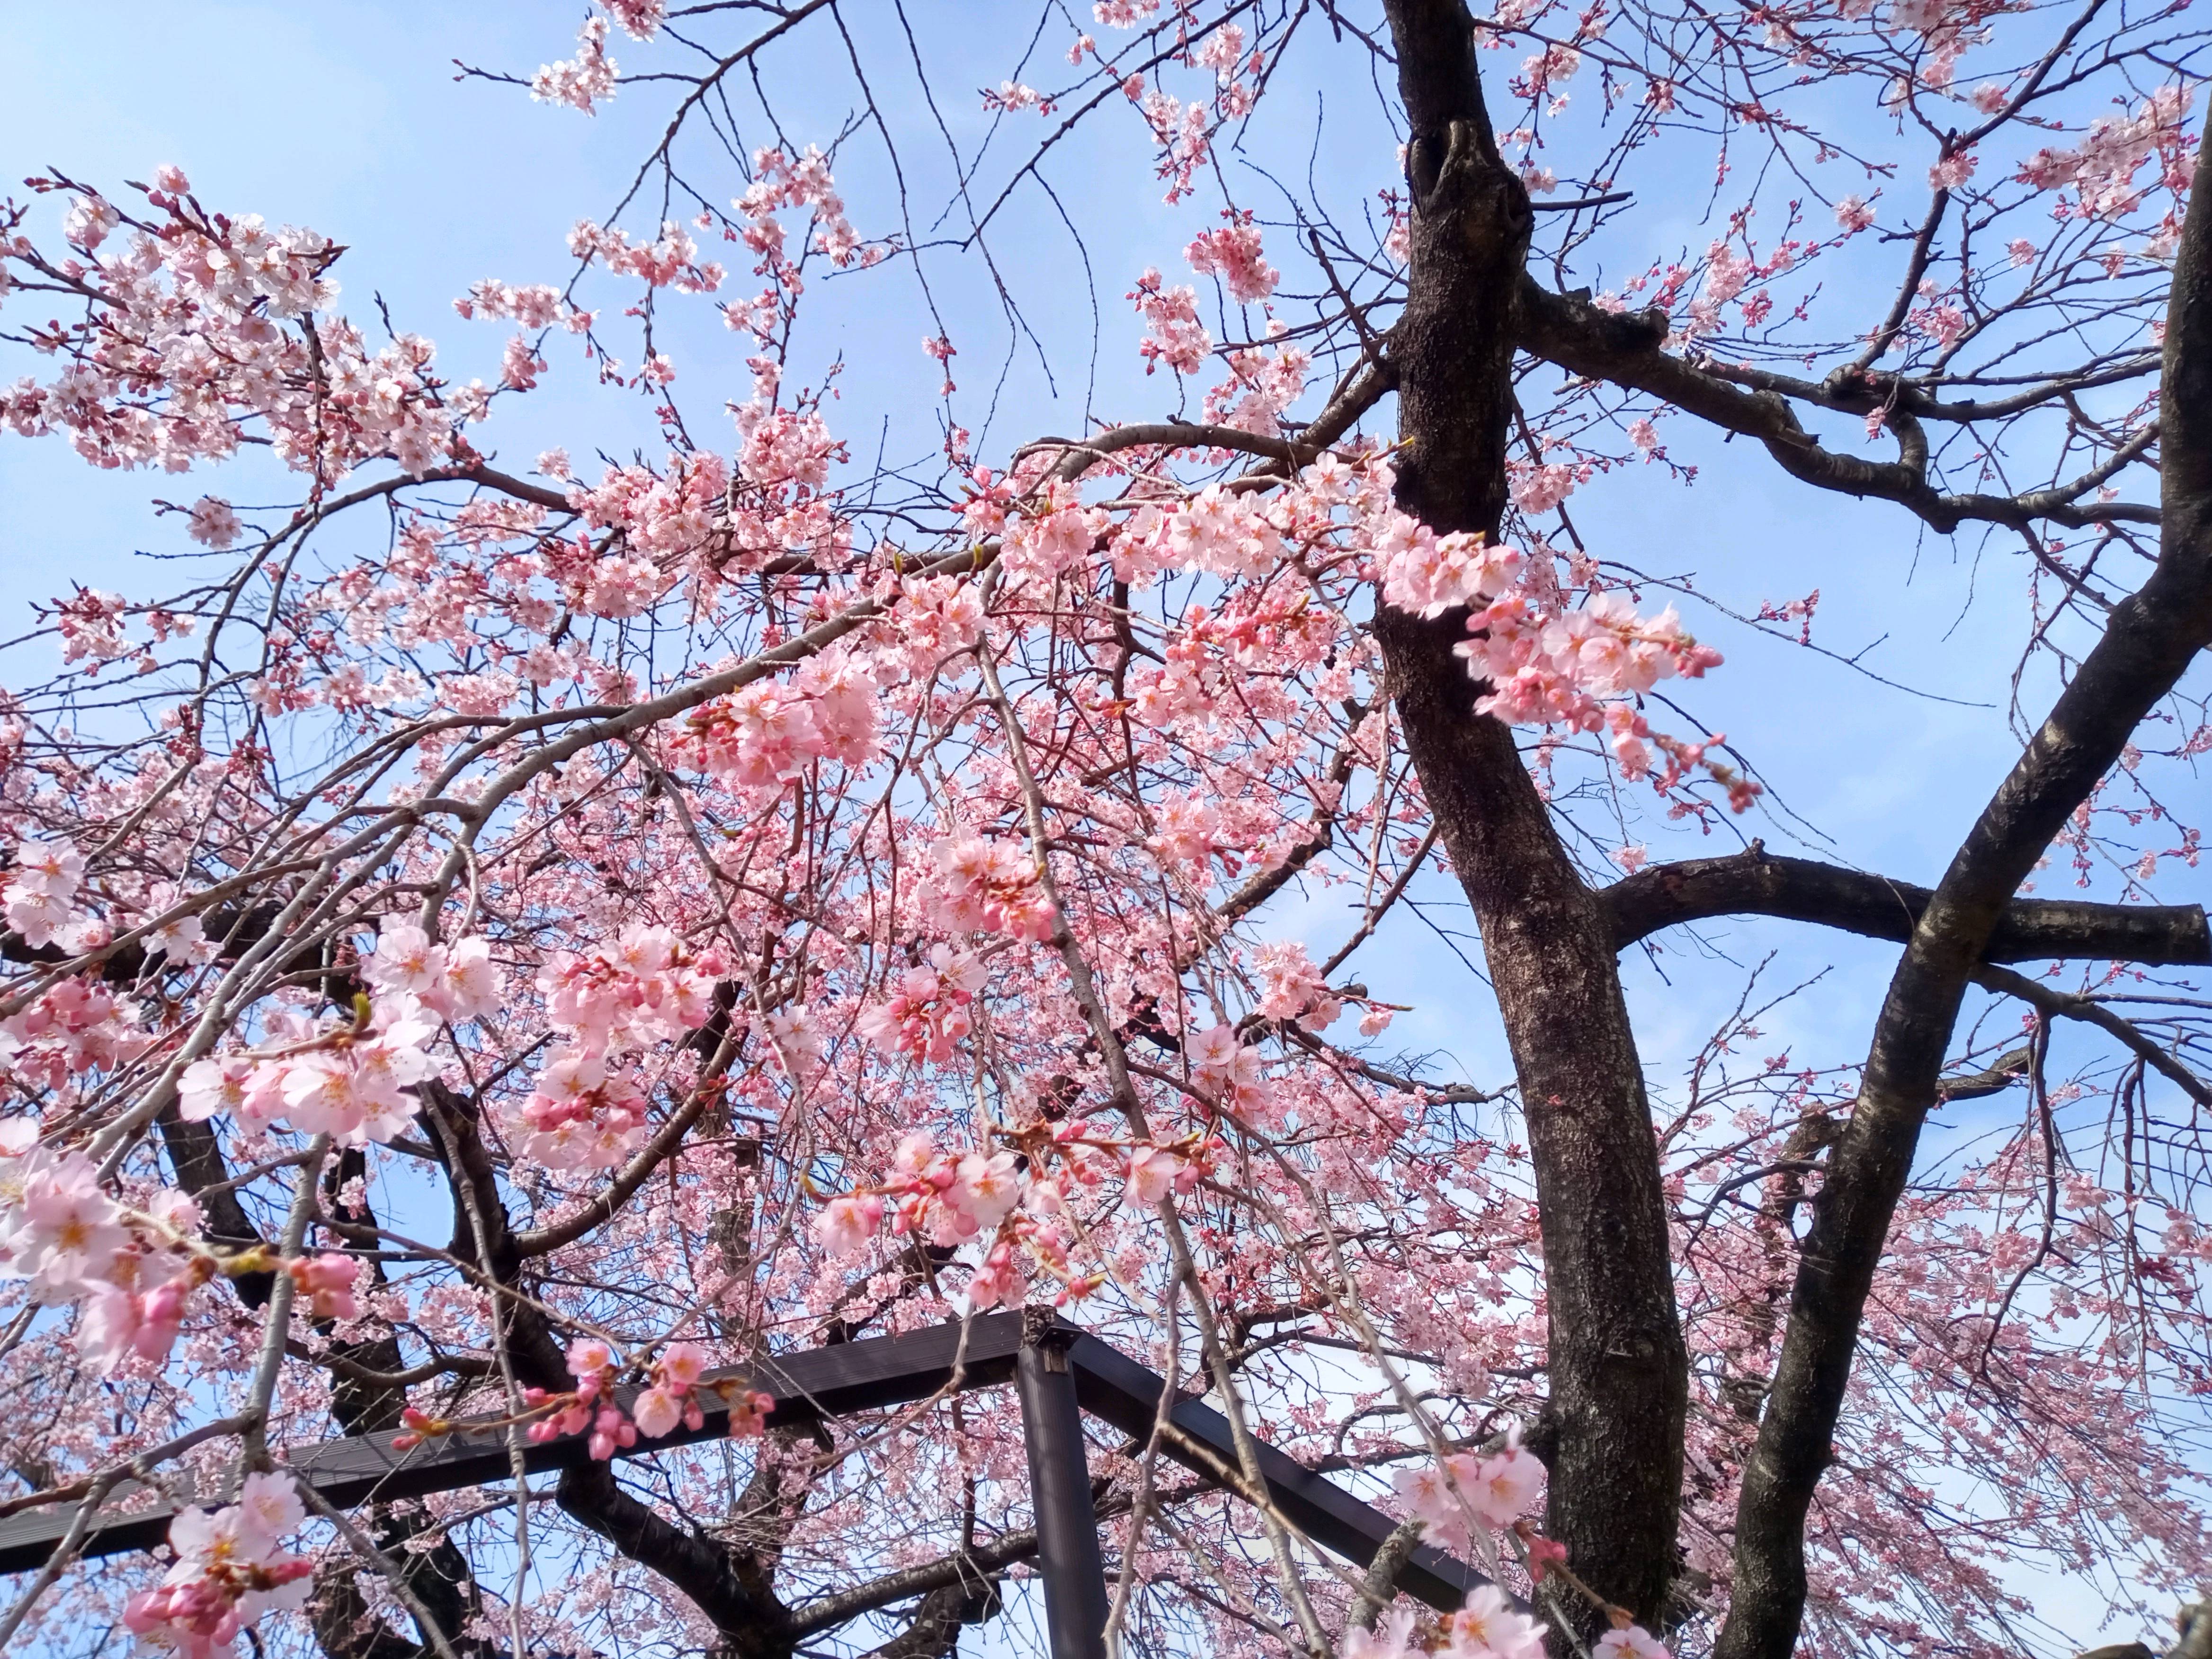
x: 344, y: 116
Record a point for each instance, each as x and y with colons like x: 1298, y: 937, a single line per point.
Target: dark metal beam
x: 1116, y: 1387
x: 1059, y: 1491
x: 834, y: 1381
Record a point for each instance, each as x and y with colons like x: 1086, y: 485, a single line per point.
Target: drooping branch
x: 697, y: 1565
x: 1756, y: 883
x: 438, y: 1575
x: 2150, y: 640
x: 2049, y: 1000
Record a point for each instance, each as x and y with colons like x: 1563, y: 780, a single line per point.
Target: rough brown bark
x: 1618, y: 1370
x: 2150, y: 641
x: 934, y: 1630
x: 1756, y: 883
x: 1625, y: 348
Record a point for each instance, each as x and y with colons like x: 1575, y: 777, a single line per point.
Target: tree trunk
x: 1618, y: 1369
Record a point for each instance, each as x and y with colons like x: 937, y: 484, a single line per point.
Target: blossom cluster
x: 671, y: 260
x: 987, y: 885
x: 186, y: 343
x: 35, y: 899
x: 1553, y: 668
x: 75, y: 1026
x: 1489, y: 1626
x: 351, y: 1077
x: 1292, y: 989
x: 584, y: 81
x: 950, y: 1198
x: 1429, y: 574
x: 642, y: 988
x: 1009, y: 1201
x: 674, y: 1392
x: 1451, y: 1499
x: 1174, y: 336
x: 1543, y: 662
x: 782, y: 181
x: 1260, y: 387
x: 927, y: 1013
x: 671, y: 1396
x: 1466, y: 1488
x: 2102, y: 169
x: 348, y: 1079
x: 231, y: 1567
x: 765, y: 735
x: 1233, y: 253
x: 134, y: 1270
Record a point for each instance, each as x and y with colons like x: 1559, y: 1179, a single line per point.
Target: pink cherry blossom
x: 1392, y: 1638
x: 1293, y: 987
x: 656, y: 1412
x: 36, y: 897
x: 1156, y: 1172
x: 1232, y: 252
x: 1505, y: 1486
x: 1174, y: 336
x: 65, y: 1230
x: 990, y: 886
x: 583, y: 82
x: 230, y: 1569
x: 118, y: 1321
x: 327, y: 1283
x: 846, y: 1224
x: 1489, y: 1623
x: 1632, y: 1643
x: 214, y: 524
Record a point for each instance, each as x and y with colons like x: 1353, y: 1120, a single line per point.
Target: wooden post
x: 1060, y: 1488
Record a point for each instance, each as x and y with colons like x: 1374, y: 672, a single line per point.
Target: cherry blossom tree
x: 500, y: 934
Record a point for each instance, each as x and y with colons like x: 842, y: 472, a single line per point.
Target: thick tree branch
x: 1756, y: 883
x: 1618, y: 1366
x: 1853, y: 392
x: 2055, y: 1004
x: 1627, y: 350
x: 980, y: 1565
x: 697, y: 1565
x: 934, y: 1633
x: 2150, y: 640
x: 235, y: 929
